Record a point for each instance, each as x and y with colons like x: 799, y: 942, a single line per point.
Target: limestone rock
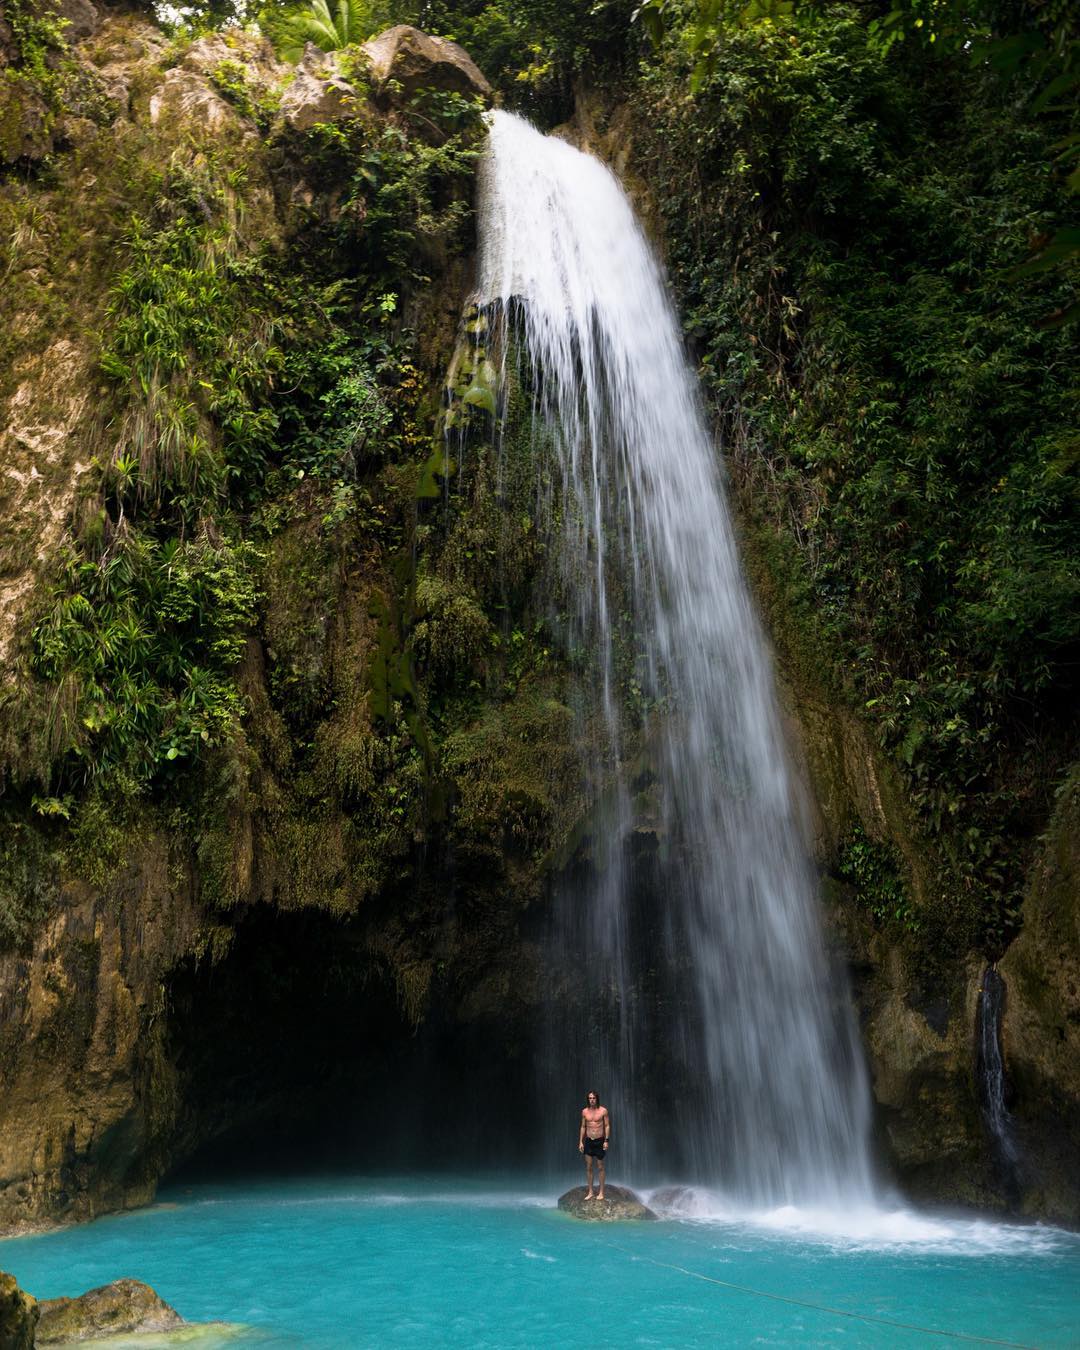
x: 317, y: 94
x: 185, y: 96
x: 24, y: 122
x: 415, y: 60
x: 18, y: 1315
x: 618, y: 1205
x: 255, y: 54
x: 121, y: 1308
x: 82, y: 18
x: 124, y: 54
x: 41, y: 468
x: 79, y: 1123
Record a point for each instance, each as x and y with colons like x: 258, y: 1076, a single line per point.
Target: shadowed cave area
x: 294, y: 1052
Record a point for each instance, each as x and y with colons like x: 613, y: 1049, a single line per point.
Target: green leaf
x: 1007, y: 54
x: 52, y: 806
x: 1069, y: 80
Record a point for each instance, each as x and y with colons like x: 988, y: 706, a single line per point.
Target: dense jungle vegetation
x: 868, y: 217
x: 860, y: 230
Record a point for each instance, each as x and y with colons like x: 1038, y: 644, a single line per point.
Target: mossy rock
x: 18, y: 1315
x: 24, y: 120
x: 120, y: 1308
x: 619, y: 1205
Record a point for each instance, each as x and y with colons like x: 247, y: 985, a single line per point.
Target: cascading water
x: 723, y: 988
x: 990, y: 1070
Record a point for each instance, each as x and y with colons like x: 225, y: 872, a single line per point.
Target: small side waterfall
x: 990, y: 1072
x: 705, y: 987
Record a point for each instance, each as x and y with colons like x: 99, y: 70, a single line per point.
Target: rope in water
x: 821, y: 1307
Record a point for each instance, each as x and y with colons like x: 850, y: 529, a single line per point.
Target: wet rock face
x: 123, y: 1308
x: 1040, y: 1029
x: 618, y: 1205
x: 84, y: 1087
x: 18, y: 1315
x: 412, y: 60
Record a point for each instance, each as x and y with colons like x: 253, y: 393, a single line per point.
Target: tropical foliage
x: 843, y: 221
x: 329, y: 26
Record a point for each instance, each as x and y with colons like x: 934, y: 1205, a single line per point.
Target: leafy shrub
x: 145, y: 643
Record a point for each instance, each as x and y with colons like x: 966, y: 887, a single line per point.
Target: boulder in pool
x: 617, y: 1206
x: 122, y: 1308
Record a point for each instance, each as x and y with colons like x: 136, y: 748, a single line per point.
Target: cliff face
x: 1041, y: 1022
x: 286, y: 750
x: 920, y: 1010
x: 262, y: 678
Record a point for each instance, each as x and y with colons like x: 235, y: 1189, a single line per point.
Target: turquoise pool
x: 343, y: 1261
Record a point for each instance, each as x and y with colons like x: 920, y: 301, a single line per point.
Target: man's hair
x: 592, y: 1092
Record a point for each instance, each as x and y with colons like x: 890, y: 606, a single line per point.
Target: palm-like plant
x: 329, y: 29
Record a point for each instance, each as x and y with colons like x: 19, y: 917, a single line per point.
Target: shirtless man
x: 593, y: 1140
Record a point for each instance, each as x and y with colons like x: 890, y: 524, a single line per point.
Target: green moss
x: 301, y: 599
x: 513, y: 772
x: 104, y: 833
x: 452, y: 635
x: 29, y: 880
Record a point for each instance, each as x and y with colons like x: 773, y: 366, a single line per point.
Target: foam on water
x: 885, y: 1229
x: 858, y: 1227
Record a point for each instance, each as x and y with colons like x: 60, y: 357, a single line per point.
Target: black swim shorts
x: 594, y: 1148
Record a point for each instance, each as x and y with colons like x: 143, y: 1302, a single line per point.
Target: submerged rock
x: 18, y: 1315
x: 618, y: 1204
x: 117, y: 1309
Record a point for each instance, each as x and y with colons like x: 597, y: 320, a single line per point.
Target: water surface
x: 338, y: 1262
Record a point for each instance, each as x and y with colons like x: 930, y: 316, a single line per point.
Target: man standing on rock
x: 593, y: 1140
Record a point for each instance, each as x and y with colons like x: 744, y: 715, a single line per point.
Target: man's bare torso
x: 594, y: 1118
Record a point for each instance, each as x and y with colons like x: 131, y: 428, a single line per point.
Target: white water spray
x: 743, y: 1010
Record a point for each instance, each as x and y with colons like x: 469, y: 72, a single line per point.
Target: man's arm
x: 607, y: 1128
x: 581, y: 1135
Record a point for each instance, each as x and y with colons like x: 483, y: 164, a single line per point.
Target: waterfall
x: 990, y: 1071
x: 707, y: 1014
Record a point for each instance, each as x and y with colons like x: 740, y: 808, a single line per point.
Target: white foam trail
x: 860, y: 1227
x: 776, y: 1104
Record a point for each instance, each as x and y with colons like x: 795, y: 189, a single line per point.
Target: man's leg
x: 602, y: 1170
x: 588, y: 1176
